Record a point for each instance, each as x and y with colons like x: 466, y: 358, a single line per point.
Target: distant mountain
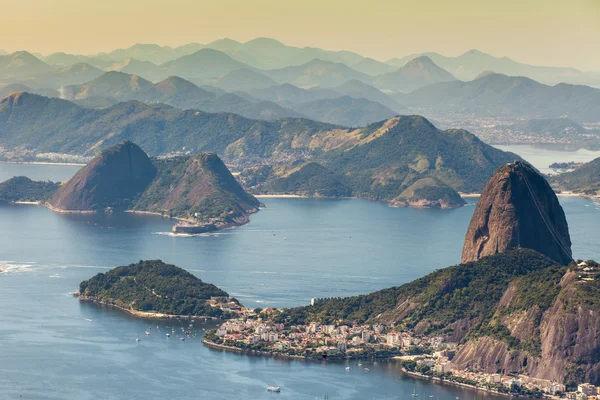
x: 317, y: 73
x: 64, y: 59
x: 18, y: 87
x: 345, y: 111
x: 373, y: 67
x: 472, y: 63
x: 585, y: 179
x: 421, y: 71
x: 358, y: 89
x: 552, y: 127
x: 202, y: 65
x: 114, y: 87
x: 145, y: 52
x: 243, y: 80
x: 266, y: 53
x: 375, y: 159
x: 287, y: 94
x: 3, y: 53
x: 501, y: 95
x: 21, y: 64
x: 145, y: 69
x: 74, y: 74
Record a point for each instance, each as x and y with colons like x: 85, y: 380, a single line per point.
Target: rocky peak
x: 518, y: 209
x: 113, y: 177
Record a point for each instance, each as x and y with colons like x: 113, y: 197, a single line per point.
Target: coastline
x: 282, y: 196
x: 44, y: 163
x: 435, y: 379
x: 139, y: 314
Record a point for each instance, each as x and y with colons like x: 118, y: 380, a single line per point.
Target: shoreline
x: 283, y: 196
x: 139, y: 314
x: 67, y: 164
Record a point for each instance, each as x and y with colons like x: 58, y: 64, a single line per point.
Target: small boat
x: 182, y: 339
x: 275, y: 389
x: 138, y: 339
x: 360, y: 364
x: 366, y: 369
x: 147, y: 333
x: 167, y: 334
x: 348, y: 368
x: 415, y: 394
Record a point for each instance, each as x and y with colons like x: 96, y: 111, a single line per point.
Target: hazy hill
x: 21, y: 64
x: 18, y: 87
x: 469, y: 65
x: 243, y: 80
x: 115, y: 87
x: 266, y: 53
x: 64, y: 59
x: 346, y: 111
x: 358, y: 89
x: 287, y: 93
x: 500, y: 95
x: 317, y: 73
x: 415, y: 74
x: 145, y: 69
x: 372, y: 67
x: 202, y: 65
x: 145, y: 52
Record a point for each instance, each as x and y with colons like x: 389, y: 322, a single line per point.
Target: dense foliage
x: 311, y: 179
x: 467, y: 291
x: 21, y: 188
x: 585, y: 179
x: 153, y: 286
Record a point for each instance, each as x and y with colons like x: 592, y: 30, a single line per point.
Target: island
x: 154, y: 289
x: 199, y: 191
x: 585, y: 180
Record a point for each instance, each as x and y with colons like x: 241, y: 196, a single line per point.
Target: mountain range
x: 379, y: 161
x: 499, y: 95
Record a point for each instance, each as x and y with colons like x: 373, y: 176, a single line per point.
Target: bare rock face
x: 518, y: 208
x: 111, y: 179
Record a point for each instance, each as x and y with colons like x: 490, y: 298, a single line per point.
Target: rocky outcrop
x: 518, y: 208
x: 111, y: 179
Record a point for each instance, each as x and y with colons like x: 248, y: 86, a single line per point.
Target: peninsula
x: 515, y: 320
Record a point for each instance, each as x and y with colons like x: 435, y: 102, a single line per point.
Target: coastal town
x: 420, y: 356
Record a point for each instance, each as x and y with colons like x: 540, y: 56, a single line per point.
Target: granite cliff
x: 518, y: 208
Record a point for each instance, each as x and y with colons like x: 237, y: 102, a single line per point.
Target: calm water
x: 54, y: 347
x: 542, y: 158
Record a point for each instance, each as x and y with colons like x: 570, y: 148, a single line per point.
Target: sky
x: 542, y: 32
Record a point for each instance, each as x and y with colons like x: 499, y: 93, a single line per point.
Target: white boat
x: 167, y: 334
x: 415, y: 394
x: 366, y: 369
x: 138, y: 339
x: 274, y: 389
x: 348, y: 368
x: 360, y: 364
x: 147, y: 333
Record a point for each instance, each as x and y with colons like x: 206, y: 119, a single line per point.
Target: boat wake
x: 187, y: 235
x: 7, y: 267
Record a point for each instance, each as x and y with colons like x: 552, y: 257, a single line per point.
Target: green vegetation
x: 585, y: 179
x: 153, y: 286
x: 468, y: 291
x: 21, y: 188
x: 311, y: 179
x: 200, y: 185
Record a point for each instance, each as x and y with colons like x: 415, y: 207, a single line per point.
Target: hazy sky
x: 548, y: 32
